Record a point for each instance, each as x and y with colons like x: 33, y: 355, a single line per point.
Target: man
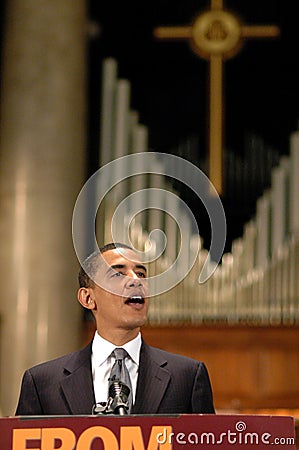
x: 113, y: 286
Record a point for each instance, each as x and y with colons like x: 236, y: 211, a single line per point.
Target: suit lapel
x: 77, y: 384
x: 153, y: 379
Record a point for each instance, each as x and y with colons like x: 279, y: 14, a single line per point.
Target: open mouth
x: 135, y: 300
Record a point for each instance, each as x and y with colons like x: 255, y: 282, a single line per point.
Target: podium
x: 141, y: 432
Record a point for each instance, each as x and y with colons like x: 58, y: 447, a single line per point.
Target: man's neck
x: 119, y: 337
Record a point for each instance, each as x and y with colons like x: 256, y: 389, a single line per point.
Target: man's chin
x: 137, y: 323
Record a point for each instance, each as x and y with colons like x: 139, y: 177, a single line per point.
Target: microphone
x: 117, y: 403
x: 119, y: 393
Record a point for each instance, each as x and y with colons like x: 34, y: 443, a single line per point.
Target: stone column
x: 42, y: 168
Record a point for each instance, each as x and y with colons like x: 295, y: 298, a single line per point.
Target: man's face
x: 121, y: 292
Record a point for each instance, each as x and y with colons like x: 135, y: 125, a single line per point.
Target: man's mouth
x: 135, y: 300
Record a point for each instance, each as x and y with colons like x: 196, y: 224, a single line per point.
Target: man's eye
x: 117, y: 274
x: 140, y: 274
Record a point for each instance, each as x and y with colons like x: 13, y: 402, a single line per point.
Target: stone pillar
x: 42, y: 168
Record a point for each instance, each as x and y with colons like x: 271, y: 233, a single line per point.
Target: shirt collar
x: 102, y: 349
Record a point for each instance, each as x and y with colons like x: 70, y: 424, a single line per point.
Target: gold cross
x: 216, y: 35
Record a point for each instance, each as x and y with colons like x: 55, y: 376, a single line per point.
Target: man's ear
x: 85, y: 298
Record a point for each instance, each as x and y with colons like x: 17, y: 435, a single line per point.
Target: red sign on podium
x: 183, y: 432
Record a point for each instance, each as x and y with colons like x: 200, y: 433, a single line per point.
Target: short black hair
x: 90, y: 265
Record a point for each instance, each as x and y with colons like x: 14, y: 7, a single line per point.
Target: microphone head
x: 118, y: 397
x: 119, y: 390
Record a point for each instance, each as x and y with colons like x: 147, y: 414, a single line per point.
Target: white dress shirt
x: 102, y: 362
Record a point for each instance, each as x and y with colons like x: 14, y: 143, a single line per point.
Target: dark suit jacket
x: 167, y: 384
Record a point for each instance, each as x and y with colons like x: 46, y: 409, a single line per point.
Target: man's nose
x: 133, y: 279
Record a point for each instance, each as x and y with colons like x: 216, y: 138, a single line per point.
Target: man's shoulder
x: 169, y: 357
x: 69, y: 360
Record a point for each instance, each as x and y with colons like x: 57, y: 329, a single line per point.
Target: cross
x: 216, y: 35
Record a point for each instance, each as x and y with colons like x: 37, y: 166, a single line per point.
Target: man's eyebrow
x: 122, y: 266
x: 114, y: 267
x: 141, y: 266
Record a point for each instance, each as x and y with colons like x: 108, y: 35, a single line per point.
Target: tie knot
x: 120, y: 354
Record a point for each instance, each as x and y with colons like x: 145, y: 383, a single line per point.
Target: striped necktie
x: 120, y: 372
